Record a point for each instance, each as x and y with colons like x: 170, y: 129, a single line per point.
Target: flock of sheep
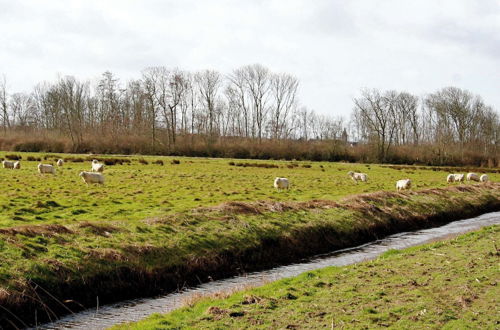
x: 470, y: 177
x: 404, y: 184
x: 95, y: 176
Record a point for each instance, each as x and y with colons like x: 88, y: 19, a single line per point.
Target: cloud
x: 334, y: 47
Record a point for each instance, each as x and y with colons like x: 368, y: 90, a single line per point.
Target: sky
x: 335, y: 48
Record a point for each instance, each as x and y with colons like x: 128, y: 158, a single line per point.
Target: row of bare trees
x: 250, y: 102
x: 450, y: 121
x: 168, y: 109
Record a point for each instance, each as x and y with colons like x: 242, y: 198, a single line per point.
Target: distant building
x: 344, y: 136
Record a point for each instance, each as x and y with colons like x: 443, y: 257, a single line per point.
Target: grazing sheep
x: 484, y: 178
x: 17, y: 165
x: 472, y: 177
x: 46, y: 168
x: 281, y: 183
x: 91, y: 177
x: 403, y: 184
x: 96, y: 166
x: 358, y: 176
x: 450, y: 178
x: 60, y: 162
x: 7, y: 164
x: 459, y: 177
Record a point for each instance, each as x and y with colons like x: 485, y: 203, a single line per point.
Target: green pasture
x: 137, y: 191
x: 444, y: 285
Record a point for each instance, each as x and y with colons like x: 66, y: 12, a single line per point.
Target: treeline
x: 449, y: 126
x: 251, y: 112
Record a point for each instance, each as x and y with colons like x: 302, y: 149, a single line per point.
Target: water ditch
x: 137, y: 309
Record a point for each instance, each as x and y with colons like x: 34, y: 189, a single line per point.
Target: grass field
x: 451, y: 284
x: 136, y: 191
x: 120, y: 239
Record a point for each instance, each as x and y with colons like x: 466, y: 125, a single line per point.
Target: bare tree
x: 239, y: 98
x: 257, y: 82
x: 149, y: 84
x: 209, y: 82
x: 21, y: 106
x: 284, y: 92
x: 4, y: 111
x: 376, y: 113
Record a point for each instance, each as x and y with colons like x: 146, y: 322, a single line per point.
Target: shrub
x: 74, y: 159
x: 109, y: 161
x: 13, y: 157
x: 143, y: 161
x: 158, y: 162
x: 33, y: 159
x: 175, y: 162
x: 39, y: 146
x: 261, y: 165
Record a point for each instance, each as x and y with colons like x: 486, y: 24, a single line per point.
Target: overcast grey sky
x: 335, y: 48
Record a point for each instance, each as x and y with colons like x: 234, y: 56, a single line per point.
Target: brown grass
x: 99, y: 228
x: 259, y: 207
x: 363, y: 202
x: 35, y: 230
x: 194, y: 298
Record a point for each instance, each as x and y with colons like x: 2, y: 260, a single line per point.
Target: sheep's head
x: 350, y: 173
x: 82, y: 174
x: 95, y: 161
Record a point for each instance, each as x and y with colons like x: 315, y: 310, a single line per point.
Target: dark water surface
x: 137, y: 309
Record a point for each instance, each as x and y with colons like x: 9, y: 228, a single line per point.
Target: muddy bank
x: 373, y: 216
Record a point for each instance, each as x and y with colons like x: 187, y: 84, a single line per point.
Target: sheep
x: 403, y: 184
x: 60, y: 162
x: 450, y: 178
x: 7, y: 164
x: 459, y: 177
x: 281, y: 183
x: 46, y: 168
x: 484, y: 178
x: 358, y: 176
x: 17, y: 165
x: 472, y: 177
x: 91, y: 177
x: 96, y: 166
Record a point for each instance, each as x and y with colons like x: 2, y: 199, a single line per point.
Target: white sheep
x: 472, y: 177
x: 281, y: 183
x: 403, y: 184
x: 459, y: 177
x: 17, y: 165
x: 60, y: 162
x: 91, y: 177
x: 484, y: 178
x: 450, y: 178
x: 358, y: 176
x: 7, y: 164
x: 96, y: 166
x: 46, y: 168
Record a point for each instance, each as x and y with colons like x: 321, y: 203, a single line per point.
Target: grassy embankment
x: 153, y: 227
x: 452, y: 284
